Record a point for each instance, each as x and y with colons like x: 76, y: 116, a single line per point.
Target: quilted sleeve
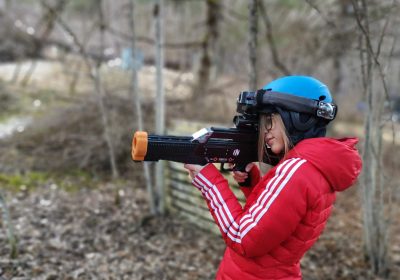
x: 274, y: 215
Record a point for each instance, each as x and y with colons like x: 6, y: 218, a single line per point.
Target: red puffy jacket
x: 285, y: 211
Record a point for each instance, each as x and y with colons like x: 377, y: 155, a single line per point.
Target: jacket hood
x: 337, y: 159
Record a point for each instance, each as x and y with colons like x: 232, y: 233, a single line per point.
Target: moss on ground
x: 30, y: 181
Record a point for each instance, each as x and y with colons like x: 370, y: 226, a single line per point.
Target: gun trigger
x: 223, y: 169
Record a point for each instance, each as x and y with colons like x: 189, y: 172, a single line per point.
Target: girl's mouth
x: 268, y: 142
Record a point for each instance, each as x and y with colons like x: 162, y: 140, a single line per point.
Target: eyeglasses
x: 268, y: 122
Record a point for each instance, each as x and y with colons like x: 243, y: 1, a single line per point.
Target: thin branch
x: 234, y: 14
x: 383, y: 33
x: 94, y: 75
x: 370, y: 48
x: 49, y: 18
x: 271, y: 40
x: 150, y: 41
x: 76, y: 41
x: 323, y: 16
x: 391, y: 111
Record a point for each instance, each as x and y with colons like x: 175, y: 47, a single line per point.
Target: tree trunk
x: 208, y: 48
x: 138, y: 106
x: 253, y: 32
x: 9, y: 227
x: 341, y: 39
x: 160, y: 102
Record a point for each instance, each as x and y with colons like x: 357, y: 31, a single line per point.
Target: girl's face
x: 274, y: 133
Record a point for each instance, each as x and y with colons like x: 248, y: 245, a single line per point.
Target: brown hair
x: 277, y: 120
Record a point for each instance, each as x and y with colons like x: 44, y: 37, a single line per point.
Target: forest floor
x: 105, y: 232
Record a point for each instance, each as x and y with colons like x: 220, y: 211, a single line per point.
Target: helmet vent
x: 322, y: 97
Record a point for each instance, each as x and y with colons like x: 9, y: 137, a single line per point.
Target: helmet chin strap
x: 298, y: 130
x: 269, y: 157
x: 302, y: 126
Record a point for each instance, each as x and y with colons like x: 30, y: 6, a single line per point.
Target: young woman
x: 286, y: 209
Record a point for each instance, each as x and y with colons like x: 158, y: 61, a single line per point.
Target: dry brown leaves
x: 106, y: 233
x: 93, y: 235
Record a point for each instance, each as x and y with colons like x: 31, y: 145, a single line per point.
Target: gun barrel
x: 140, y: 143
x: 160, y: 147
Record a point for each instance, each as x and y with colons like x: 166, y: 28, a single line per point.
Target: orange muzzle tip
x: 139, y: 145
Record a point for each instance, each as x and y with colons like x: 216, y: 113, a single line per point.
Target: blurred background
x: 78, y: 77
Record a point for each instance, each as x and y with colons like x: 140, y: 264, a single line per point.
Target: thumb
x: 188, y: 166
x: 249, y: 167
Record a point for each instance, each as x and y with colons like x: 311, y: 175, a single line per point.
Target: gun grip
x: 242, y: 168
x: 139, y: 145
x: 246, y: 182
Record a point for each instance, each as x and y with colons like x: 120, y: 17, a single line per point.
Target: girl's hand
x: 193, y: 169
x: 241, y: 176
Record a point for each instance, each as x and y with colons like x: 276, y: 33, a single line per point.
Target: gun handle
x: 242, y: 168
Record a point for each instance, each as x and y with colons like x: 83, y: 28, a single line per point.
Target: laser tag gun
x: 238, y: 145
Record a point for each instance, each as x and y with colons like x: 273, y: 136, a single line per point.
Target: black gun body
x: 224, y: 145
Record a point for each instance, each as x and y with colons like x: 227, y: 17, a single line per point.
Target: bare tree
x: 138, y: 106
x: 94, y: 73
x: 374, y: 184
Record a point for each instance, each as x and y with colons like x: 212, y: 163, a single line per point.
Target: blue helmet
x: 302, y: 86
x: 304, y: 103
